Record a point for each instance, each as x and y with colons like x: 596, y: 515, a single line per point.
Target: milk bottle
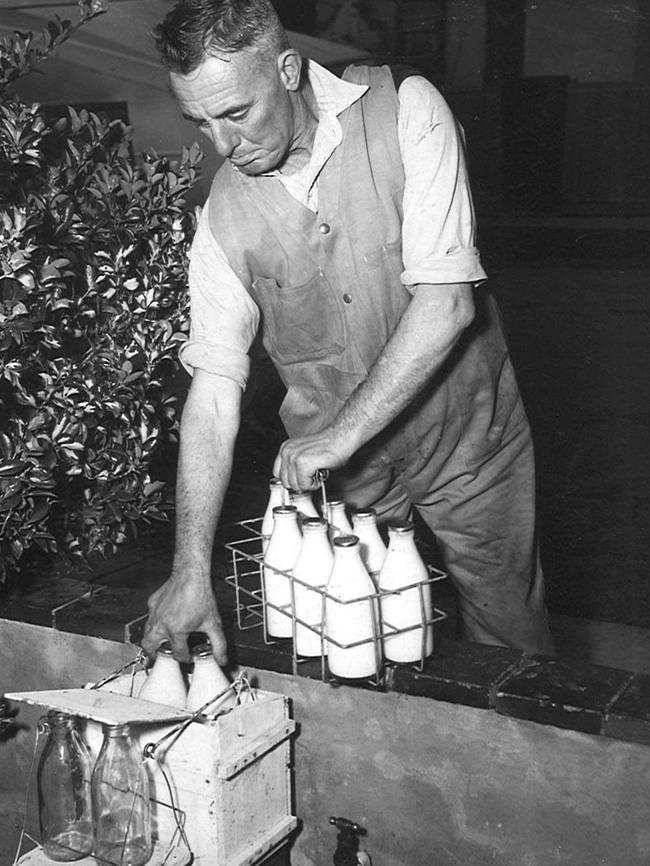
x: 313, y: 568
x: 403, y: 608
x: 352, y: 622
x: 279, y: 560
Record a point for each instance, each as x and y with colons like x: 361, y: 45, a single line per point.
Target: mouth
x: 242, y: 163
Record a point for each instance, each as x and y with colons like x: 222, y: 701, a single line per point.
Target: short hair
x: 195, y: 29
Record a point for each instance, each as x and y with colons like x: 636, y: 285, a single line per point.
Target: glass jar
x: 63, y: 782
x: 120, y: 795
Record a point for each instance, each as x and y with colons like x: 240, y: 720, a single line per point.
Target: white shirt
x: 438, y: 228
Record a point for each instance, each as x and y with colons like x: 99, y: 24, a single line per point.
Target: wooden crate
x: 227, y: 780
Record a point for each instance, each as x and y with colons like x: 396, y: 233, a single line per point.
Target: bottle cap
x: 202, y: 650
x: 345, y: 541
x: 285, y: 509
x: 314, y: 523
x: 400, y: 526
x: 364, y: 514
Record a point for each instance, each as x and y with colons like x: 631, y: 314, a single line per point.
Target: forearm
x: 427, y: 332
x: 429, y: 329
x: 208, y: 434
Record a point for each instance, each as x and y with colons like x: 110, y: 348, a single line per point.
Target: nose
x: 223, y: 138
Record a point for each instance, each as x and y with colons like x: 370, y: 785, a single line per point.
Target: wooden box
x: 227, y: 781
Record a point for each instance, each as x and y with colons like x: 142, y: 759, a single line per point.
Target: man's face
x: 243, y: 107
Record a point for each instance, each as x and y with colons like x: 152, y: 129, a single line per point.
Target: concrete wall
x: 434, y: 783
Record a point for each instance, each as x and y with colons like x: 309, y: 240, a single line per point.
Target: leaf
x: 41, y: 510
x: 12, y: 468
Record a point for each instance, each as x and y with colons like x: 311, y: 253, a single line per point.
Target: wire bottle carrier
x: 252, y: 605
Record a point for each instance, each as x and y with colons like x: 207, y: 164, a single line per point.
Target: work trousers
x: 472, y: 480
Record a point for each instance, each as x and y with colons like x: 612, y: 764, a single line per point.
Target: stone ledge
x: 588, y: 698
x: 550, y: 692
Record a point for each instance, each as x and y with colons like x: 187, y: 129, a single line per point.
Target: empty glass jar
x: 63, y: 782
x: 120, y: 794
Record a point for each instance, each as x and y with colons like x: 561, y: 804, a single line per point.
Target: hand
x: 299, y: 459
x: 178, y: 609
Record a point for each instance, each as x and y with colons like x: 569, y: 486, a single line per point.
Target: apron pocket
x: 300, y: 323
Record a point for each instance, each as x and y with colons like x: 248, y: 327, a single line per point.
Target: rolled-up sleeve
x: 224, y: 319
x: 438, y: 230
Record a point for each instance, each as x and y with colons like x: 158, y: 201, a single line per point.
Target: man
x: 342, y: 223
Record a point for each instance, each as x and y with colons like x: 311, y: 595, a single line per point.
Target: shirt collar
x: 333, y: 95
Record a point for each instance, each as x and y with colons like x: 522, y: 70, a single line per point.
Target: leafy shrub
x: 93, y: 259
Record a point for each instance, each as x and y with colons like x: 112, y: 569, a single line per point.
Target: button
x: 347, y: 298
x: 324, y: 229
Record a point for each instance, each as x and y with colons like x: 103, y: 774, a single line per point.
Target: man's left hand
x: 299, y: 460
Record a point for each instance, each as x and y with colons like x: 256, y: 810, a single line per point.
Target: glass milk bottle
x: 63, y: 782
x: 121, y: 808
x: 281, y: 555
x: 405, y: 608
x: 208, y: 680
x: 303, y: 501
x: 338, y: 519
x: 373, y: 549
x: 277, y: 495
x: 313, y: 568
x: 165, y: 683
x: 352, y: 622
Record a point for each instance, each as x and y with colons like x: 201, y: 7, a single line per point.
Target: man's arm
x: 185, y: 603
x: 427, y: 332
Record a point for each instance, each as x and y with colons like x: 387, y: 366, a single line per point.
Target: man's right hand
x: 176, y: 610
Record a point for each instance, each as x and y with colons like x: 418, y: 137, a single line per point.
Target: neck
x: 305, y: 123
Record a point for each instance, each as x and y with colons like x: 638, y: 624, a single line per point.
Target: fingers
x: 219, y: 646
x: 297, y: 465
x: 154, y: 635
x: 180, y: 649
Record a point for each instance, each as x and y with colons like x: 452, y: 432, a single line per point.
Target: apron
x: 328, y: 288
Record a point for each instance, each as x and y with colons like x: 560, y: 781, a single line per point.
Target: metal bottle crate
x: 226, y: 782
x: 246, y: 578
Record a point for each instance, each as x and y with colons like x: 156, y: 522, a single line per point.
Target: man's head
x: 196, y: 29
x: 235, y: 75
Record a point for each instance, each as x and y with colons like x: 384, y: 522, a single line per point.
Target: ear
x: 290, y: 67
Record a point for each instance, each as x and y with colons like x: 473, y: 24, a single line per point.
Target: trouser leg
x: 483, y: 519
x: 484, y: 522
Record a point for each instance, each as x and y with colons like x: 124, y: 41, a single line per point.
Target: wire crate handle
x: 239, y: 685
